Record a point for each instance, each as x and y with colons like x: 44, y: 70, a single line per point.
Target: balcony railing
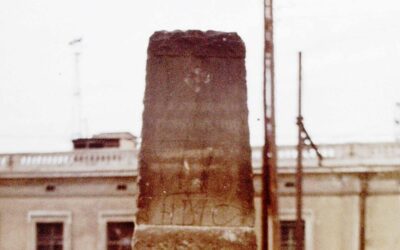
x: 87, y: 160
x: 337, y: 155
x: 344, y: 151
x: 74, y: 160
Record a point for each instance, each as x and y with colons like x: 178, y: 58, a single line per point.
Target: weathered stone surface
x: 194, y: 238
x: 196, y: 43
x: 195, y: 162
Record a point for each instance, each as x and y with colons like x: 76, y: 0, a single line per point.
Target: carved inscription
x: 191, y: 193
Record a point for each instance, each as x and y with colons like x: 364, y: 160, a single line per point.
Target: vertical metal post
x: 363, y: 201
x: 266, y: 151
x: 299, y: 172
x: 269, y: 196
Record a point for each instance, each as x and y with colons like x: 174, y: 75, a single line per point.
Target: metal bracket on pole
x: 303, y: 137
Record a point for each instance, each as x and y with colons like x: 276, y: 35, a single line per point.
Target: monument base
x: 194, y: 238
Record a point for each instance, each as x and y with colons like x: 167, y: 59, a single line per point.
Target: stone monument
x: 195, y: 176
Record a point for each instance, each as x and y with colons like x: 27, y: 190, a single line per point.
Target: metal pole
x: 299, y: 172
x: 273, y: 185
x: 266, y: 148
x: 269, y: 182
x: 270, y: 186
x: 363, y: 199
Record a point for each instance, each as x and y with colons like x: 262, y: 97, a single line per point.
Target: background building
x: 85, y: 199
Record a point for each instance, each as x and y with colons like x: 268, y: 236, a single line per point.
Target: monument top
x: 209, y: 43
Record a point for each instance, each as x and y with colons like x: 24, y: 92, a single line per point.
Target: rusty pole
x: 266, y: 149
x: 270, y: 194
x: 299, y: 172
x: 363, y: 201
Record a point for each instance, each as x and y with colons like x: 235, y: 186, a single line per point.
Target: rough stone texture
x: 195, y: 238
x: 195, y: 159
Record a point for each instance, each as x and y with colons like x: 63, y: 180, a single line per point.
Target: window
x: 49, y: 230
x: 49, y: 236
x: 119, y: 235
x: 288, y: 232
x: 116, y: 229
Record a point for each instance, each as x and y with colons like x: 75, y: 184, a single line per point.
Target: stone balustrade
x: 80, y: 160
x: 343, y: 151
x: 334, y: 155
x: 344, y: 154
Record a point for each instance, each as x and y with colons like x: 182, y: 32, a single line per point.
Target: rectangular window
x: 288, y: 234
x: 119, y: 235
x: 49, y: 236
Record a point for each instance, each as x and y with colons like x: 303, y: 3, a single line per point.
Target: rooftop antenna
x: 77, y: 130
x: 397, y: 122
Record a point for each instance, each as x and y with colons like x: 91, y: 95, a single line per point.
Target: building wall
x: 86, y: 200
x: 331, y: 208
x: 331, y: 221
x: 383, y: 222
x: 257, y: 224
x: 88, y: 203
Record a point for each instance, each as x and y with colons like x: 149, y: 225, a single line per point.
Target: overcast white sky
x: 351, y: 51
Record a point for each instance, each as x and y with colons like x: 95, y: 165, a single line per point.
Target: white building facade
x: 85, y: 199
